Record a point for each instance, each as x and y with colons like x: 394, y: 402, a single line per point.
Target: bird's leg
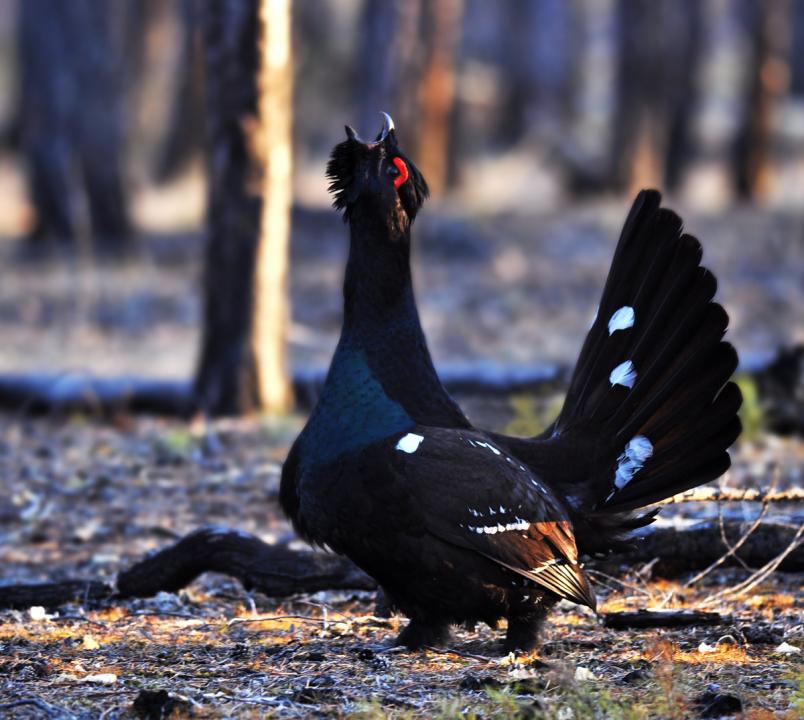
x: 420, y: 633
x: 525, y: 625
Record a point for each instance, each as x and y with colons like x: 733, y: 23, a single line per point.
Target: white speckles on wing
x: 636, y: 452
x: 489, y: 446
x: 624, y: 374
x: 410, y: 443
x: 518, y: 524
x: 622, y: 319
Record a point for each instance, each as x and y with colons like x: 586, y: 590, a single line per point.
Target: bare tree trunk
x: 659, y: 50
x: 389, y: 65
x: 99, y: 121
x: 185, y: 125
x: 271, y: 312
x: 442, y: 22
x: 72, y: 118
x: 226, y: 376
x: 375, y: 73
x: 45, y: 90
x: 535, y: 47
x: 771, y: 23
x: 797, y: 51
x: 239, y: 369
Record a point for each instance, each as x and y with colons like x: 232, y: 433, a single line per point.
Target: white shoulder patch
x: 410, y: 443
x: 622, y: 319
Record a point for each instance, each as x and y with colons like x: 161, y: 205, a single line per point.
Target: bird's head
x: 376, y: 177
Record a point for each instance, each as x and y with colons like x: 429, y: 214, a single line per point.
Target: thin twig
x: 761, y: 574
x: 459, y: 653
x: 79, y: 618
x: 732, y: 549
x: 628, y: 585
x: 725, y: 540
x: 274, y: 618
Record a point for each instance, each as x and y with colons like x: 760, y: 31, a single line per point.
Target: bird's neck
x: 381, y: 322
x: 377, y: 285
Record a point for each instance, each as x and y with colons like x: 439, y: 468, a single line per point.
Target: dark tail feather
x: 650, y: 404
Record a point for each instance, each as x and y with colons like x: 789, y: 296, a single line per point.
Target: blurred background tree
x: 71, y: 120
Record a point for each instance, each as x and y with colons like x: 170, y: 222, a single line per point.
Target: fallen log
x: 660, y: 619
x: 273, y: 570
x: 43, y: 393
x: 707, y: 493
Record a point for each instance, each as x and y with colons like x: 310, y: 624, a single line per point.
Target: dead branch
x: 660, y: 618
x: 694, y: 549
x: 274, y: 570
x: 52, y: 595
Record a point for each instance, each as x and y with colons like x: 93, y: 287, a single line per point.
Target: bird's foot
x: 523, y: 636
x: 419, y: 634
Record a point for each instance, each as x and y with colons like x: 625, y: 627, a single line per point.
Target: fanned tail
x: 650, y: 410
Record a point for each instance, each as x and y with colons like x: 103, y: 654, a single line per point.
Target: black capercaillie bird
x: 458, y: 525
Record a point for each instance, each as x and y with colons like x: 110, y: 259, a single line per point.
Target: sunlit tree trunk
x: 240, y: 369
x: 271, y: 313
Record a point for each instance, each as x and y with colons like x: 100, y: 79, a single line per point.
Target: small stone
x: 635, y: 676
x: 37, y: 612
x: 584, y: 674
x: 786, y: 648
x: 100, y: 678
x: 713, y: 704
x: 155, y: 705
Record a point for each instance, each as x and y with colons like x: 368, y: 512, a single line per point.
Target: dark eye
x: 392, y: 170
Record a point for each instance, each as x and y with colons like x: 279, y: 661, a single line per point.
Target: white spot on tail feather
x: 636, y: 453
x: 410, y: 443
x: 624, y: 374
x: 622, y: 319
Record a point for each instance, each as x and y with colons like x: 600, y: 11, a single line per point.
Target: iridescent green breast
x: 352, y: 413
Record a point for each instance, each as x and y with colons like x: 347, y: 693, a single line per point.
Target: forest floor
x: 81, y: 499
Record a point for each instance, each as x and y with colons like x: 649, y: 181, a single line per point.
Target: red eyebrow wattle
x: 400, y: 179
